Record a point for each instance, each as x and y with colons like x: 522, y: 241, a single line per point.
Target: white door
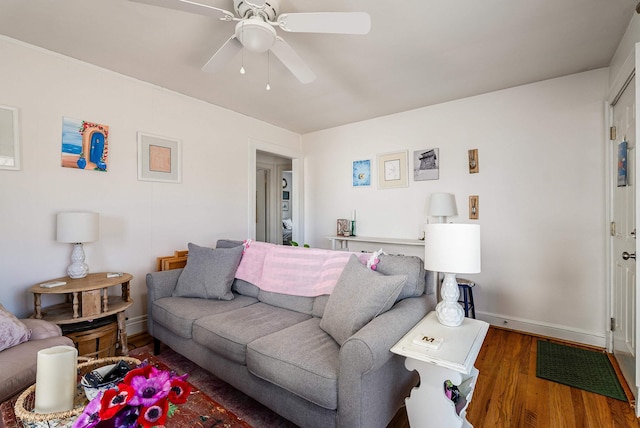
x: 623, y: 232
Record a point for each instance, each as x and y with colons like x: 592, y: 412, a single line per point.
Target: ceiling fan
x: 255, y: 29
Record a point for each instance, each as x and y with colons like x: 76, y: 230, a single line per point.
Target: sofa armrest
x: 41, y: 329
x: 161, y: 284
x: 367, y: 364
x: 370, y: 347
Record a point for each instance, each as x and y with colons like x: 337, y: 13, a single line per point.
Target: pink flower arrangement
x: 146, y: 397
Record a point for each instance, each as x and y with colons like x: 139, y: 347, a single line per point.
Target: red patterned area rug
x: 243, y: 406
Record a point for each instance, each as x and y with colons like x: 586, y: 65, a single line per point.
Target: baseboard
x: 136, y: 325
x: 545, y: 329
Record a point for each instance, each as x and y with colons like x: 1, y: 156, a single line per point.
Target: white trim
x: 137, y: 325
x: 545, y: 329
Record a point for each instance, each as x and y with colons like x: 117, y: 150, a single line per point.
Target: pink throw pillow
x: 12, y: 330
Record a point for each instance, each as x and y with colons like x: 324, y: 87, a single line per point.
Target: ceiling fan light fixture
x: 255, y: 35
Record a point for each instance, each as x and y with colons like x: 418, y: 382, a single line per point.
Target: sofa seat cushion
x: 179, y: 313
x: 302, y: 359
x: 228, y: 334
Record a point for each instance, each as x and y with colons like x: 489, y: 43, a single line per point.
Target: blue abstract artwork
x: 361, y: 174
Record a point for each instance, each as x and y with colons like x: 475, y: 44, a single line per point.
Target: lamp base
x: 449, y: 311
x: 78, y: 268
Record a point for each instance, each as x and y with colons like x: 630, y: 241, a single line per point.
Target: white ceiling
x: 418, y: 53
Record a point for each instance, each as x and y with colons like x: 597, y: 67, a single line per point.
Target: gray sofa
x: 276, y: 347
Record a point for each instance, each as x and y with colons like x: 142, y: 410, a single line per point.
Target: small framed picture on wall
x: 392, y: 170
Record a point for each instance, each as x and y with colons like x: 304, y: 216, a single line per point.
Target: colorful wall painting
x: 85, y: 145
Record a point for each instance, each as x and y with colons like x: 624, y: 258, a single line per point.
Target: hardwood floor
x: 508, y: 393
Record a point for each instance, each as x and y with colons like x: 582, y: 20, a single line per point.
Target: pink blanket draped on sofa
x: 297, y: 271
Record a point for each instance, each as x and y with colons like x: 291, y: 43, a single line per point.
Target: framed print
x: 285, y: 205
x: 159, y: 158
x: 9, y: 138
x: 426, y: 164
x: 85, y: 145
x: 392, y: 170
x: 622, y: 164
x: 361, y: 173
x: 285, y: 195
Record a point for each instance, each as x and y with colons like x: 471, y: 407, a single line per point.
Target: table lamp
x: 76, y: 228
x: 451, y: 249
x: 442, y: 205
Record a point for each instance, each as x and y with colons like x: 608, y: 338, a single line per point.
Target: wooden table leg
x: 122, y: 333
x: 38, y: 305
x: 75, y: 305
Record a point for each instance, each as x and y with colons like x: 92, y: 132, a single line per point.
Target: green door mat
x: 579, y: 368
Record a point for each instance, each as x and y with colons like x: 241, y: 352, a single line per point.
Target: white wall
x: 541, y: 186
x: 139, y: 220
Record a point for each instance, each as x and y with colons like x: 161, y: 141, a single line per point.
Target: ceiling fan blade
x: 285, y: 53
x: 326, y: 22
x: 219, y: 59
x: 201, y: 7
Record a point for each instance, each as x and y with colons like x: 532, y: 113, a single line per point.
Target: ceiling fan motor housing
x: 255, y: 34
x: 247, y: 9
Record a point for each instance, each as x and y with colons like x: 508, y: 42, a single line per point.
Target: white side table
x: 454, y: 360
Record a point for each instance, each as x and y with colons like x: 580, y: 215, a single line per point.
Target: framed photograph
x: 343, y: 225
x: 9, y: 138
x: 361, y: 173
x: 622, y: 164
x: 285, y: 205
x: 285, y: 195
x: 159, y: 158
x: 426, y: 164
x: 392, y: 170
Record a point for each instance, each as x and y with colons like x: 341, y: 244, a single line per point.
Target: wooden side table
x: 87, y: 299
x: 453, y: 361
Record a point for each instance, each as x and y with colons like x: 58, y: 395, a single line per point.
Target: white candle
x: 353, y: 215
x: 56, y: 379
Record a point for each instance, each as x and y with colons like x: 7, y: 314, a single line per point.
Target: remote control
x: 114, y: 274
x: 52, y: 284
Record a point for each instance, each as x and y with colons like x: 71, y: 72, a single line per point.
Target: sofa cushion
x: 178, y: 314
x: 411, y: 266
x: 12, y: 331
x: 245, y: 288
x: 227, y: 334
x: 41, y: 329
x: 287, y: 301
x: 360, y: 295
x: 209, y: 273
x: 302, y: 359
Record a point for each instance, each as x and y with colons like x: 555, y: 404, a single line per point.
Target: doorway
x: 296, y: 203
x: 274, y: 190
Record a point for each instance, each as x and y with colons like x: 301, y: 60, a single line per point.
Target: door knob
x: 627, y: 256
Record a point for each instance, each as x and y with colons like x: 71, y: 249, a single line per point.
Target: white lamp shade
x: 76, y: 227
x: 442, y: 205
x: 452, y: 248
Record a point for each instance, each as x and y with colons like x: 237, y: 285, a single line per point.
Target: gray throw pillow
x: 209, y: 273
x: 412, y: 266
x: 359, y: 296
